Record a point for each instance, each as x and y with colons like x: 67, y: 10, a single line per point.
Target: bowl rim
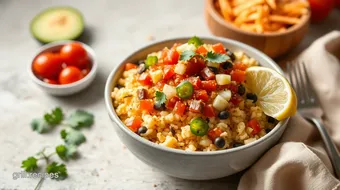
x: 121, y: 125
x: 217, y: 17
x: 45, y: 47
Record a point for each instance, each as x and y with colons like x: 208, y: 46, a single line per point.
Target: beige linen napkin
x: 300, y: 161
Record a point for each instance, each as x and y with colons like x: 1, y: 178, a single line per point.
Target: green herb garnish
x: 160, y: 97
x: 59, y: 170
x: 216, y: 57
x: 186, y: 55
x: 79, y: 119
x: 30, y: 164
x: 54, y: 117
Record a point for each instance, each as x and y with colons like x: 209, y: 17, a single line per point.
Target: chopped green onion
x: 151, y: 60
x: 185, y: 90
x: 199, y: 127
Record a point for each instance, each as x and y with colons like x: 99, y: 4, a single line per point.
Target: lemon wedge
x: 275, y: 96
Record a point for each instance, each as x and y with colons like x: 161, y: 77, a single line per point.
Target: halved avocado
x: 57, y: 23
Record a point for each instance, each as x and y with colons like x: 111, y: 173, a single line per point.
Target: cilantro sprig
x: 160, y: 97
x: 71, y: 135
x: 186, y: 55
x: 216, y: 57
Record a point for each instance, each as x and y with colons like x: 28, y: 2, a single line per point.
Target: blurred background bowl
x: 64, y: 89
x: 272, y: 44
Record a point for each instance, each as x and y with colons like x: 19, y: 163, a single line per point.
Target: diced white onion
x: 169, y: 91
x: 186, y: 47
x: 223, y: 79
x: 225, y: 94
x: 220, y: 103
x: 180, y: 68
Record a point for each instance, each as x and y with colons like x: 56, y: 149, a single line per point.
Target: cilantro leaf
x: 40, y: 125
x: 65, y: 152
x: 55, y: 117
x: 80, y: 119
x: 73, y: 137
x: 59, y: 170
x: 30, y: 164
x: 216, y: 57
x: 160, y: 97
x: 186, y: 55
x: 196, y: 41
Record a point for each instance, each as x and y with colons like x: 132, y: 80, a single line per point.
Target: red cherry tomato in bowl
x: 320, y: 9
x: 47, y: 65
x: 50, y: 81
x: 70, y: 74
x: 74, y: 54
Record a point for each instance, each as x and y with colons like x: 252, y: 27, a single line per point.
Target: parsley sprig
x: 71, y: 135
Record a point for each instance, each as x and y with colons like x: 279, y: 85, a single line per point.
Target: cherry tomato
x: 134, y: 123
x: 50, y: 81
x: 145, y: 79
x: 320, y: 9
x: 201, y: 95
x: 209, y: 111
x: 171, y: 57
x: 47, y: 65
x: 146, y: 105
x: 74, y: 54
x: 238, y: 76
x: 180, y: 108
x: 168, y: 72
x: 171, y: 103
x: 219, y: 48
x: 214, y: 133
x: 70, y: 74
x: 209, y: 85
x: 202, y: 50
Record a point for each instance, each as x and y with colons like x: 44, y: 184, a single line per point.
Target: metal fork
x: 310, y: 109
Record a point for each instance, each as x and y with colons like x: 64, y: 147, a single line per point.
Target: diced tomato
x: 196, y: 106
x: 233, y: 88
x: 178, y: 79
x: 160, y: 85
x: 180, y: 108
x: 196, y: 82
x: 146, y: 105
x: 240, y: 66
x: 214, y: 133
x: 254, y: 124
x: 145, y: 79
x: 172, y: 101
x: 238, y: 76
x: 207, y: 74
x: 209, y: 85
x: 201, y: 95
x: 201, y: 50
x: 171, y: 58
x: 195, y: 65
x: 134, y: 123
x: 168, y: 72
x: 219, y: 48
x: 129, y: 66
x: 209, y: 111
x: 236, y: 99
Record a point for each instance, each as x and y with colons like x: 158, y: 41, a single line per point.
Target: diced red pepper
x: 134, y: 123
x: 145, y: 79
x: 201, y: 95
x: 209, y: 85
x: 195, y: 65
x: 196, y: 82
x: 146, y: 105
x: 214, y: 133
x: 196, y: 106
x: 180, y: 108
x: 207, y: 74
x: 240, y: 66
x: 168, y: 72
x: 172, y: 101
x: 171, y: 57
x: 236, y: 99
x: 209, y: 111
x: 238, y: 76
x: 219, y: 48
x: 202, y: 50
x: 129, y: 66
x: 254, y: 124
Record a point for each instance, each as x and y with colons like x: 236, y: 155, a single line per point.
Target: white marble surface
x: 115, y: 28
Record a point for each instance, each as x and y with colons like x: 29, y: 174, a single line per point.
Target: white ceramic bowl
x: 65, y: 89
x: 192, y: 165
